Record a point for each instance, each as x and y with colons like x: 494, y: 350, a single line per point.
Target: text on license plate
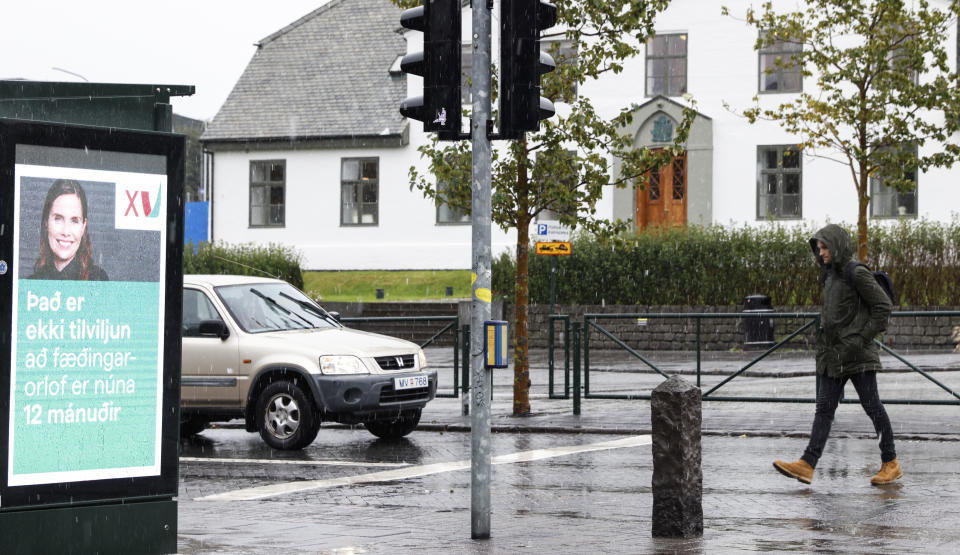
x: 410, y: 382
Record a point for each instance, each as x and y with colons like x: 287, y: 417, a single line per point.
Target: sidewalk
x: 790, y: 375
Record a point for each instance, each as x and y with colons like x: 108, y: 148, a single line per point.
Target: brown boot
x: 889, y: 472
x: 800, y: 470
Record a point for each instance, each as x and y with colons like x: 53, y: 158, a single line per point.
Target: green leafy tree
x: 884, y: 101
x: 564, y: 167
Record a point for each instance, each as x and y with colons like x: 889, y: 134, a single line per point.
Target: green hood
x: 838, y: 241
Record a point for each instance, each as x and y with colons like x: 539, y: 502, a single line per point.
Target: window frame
x: 268, y: 185
x: 762, y: 170
x: 572, y: 180
x: 192, y: 329
x: 666, y: 57
x: 777, y: 49
x: 876, y: 183
x: 466, y: 72
x: 359, y: 192
x: 464, y: 219
x: 562, y: 46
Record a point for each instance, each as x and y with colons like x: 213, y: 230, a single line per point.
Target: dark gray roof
x: 325, y: 75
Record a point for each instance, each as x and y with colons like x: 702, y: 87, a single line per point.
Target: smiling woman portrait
x: 65, y: 247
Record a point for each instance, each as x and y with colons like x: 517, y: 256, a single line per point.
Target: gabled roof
x: 324, y: 76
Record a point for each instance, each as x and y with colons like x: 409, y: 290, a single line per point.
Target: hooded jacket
x: 851, y: 316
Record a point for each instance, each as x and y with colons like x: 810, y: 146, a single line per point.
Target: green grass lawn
x: 405, y: 285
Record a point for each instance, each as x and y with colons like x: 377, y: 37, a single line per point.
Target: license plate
x: 410, y: 382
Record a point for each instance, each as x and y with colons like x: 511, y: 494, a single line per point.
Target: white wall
x: 406, y: 237
x: 722, y: 77
x: 722, y: 71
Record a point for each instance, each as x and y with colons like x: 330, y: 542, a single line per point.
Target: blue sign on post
x: 196, y: 222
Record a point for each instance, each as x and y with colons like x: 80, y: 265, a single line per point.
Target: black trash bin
x: 758, y: 332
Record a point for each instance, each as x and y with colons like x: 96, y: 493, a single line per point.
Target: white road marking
x: 274, y: 490
x: 290, y: 461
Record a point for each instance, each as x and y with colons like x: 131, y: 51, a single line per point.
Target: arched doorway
x: 664, y: 200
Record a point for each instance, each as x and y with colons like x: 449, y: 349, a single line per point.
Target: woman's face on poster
x: 65, y: 227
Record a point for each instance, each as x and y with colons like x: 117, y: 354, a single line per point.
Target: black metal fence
x: 446, y: 325
x: 593, y: 324
x: 570, y: 350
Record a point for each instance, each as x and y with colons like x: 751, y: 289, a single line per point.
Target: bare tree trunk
x: 521, y: 332
x: 863, y: 203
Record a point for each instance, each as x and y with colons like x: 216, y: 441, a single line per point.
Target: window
x: 359, y: 191
x: 667, y: 65
x: 267, y: 192
x: 779, y: 182
x: 196, y: 309
x: 564, y: 53
x: 779, y: 70
x: 887, y: 202
x: 560, y: 170
x: 900, y: 62
x: 447, y: 214
x: 466, y: 73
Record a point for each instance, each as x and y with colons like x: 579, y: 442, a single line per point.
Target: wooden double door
x: 664, y: 201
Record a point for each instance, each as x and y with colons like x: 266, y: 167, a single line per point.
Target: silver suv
x: 261, y: 350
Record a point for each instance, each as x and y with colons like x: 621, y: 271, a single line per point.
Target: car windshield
x: 260, y: 307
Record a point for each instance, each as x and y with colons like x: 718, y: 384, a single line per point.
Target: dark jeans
x: 827, y: 400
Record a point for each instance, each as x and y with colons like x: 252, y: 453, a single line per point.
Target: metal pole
x: 576, y: 368
x: 481, y: 209
x: 553, y: 282
x: 464, y: 369
x: 698, y: 352
x: 550, y: 337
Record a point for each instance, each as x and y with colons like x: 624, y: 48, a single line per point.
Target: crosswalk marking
x: 274, y: 490
x: 213, y: 460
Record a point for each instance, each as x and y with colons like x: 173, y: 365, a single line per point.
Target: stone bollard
x: 677, y: 474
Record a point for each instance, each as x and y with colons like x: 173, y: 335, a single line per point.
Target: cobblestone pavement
x: 590, y: 502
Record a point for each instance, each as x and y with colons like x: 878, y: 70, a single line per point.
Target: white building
x: 309, y: 149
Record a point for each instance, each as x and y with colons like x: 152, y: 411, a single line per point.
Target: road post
x: 481, y: 209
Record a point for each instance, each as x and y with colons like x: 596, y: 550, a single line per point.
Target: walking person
x: 853, y: 313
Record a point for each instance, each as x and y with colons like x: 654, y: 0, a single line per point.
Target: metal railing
x: 576, y: 345
x: 582, y: 334
x: 551, y: 362
x: 452, y: 326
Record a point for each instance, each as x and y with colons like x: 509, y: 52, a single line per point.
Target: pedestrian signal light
x: 521, y: 65
x: 438, y: 63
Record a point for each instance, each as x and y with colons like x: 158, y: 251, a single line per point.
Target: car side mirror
x: 214, y: 328
x: 335, y: 315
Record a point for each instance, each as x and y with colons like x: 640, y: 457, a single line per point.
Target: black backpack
x: 882, y: 278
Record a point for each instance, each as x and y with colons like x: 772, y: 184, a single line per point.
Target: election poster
x: 86, y: 359
x: 91, y: 270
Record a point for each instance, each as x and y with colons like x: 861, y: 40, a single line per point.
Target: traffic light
x: 522, y: 63
x: 438, y: 64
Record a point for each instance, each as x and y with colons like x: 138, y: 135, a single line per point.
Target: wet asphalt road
x: 596, y: 502
x: 589, y: 502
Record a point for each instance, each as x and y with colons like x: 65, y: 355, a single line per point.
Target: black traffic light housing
x: 522, y: 63
x: 439, y: 64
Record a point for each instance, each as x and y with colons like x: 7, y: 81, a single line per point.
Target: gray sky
x: 205, y: 43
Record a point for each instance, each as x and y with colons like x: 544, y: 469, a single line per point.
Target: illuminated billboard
x: 93, y: 280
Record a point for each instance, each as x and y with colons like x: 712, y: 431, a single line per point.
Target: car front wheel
x: 286, y: 417
x: 396, y: 428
